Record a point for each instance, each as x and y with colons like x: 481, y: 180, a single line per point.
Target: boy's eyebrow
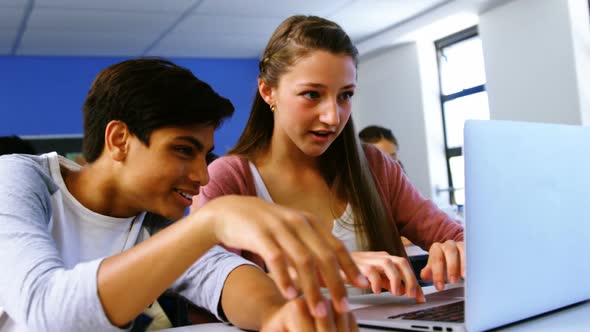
x: 198, y: 144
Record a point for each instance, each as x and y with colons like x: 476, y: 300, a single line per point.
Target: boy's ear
x: 116, y: 140
x: 266, y: 92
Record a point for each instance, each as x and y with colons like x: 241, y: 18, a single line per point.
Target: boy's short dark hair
x: 148, y: 94
x: 15, y: 144
x: 373, y: 134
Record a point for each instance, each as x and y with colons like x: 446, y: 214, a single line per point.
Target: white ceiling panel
x: 12, y: 3
x: 218, y: 34
x: 266, y: 8
x: 6, y: 41
x: 225, y: 25
x: 162, y: 6
x: 361, y: 19
x: 73, y: 29
x: 80, y: 45
x: 227, y: 46
x: 89, y: 21
x: 10, y: 19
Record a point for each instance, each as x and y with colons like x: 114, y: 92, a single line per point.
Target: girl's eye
x: 311, y: 94
x: 347, y: 95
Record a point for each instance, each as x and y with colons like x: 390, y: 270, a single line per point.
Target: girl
x: 299, y: 149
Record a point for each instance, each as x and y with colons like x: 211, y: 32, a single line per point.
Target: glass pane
x: 458, y: 177
x: 461, y: 66
x: 458, y: 110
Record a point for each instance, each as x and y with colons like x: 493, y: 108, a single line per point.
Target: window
x: 463, y: 97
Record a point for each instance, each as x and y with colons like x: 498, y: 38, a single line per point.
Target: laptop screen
x: 527, y: 215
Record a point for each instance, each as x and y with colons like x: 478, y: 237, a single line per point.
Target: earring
x: 273, y: 108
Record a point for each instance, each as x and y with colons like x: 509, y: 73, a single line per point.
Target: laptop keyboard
x: 454, y: 312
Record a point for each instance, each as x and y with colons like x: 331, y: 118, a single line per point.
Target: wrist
x: 203, y: 221
x: 270, y: 310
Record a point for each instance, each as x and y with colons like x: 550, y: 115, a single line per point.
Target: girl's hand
x: 446, y: 261
x: 390, y: 272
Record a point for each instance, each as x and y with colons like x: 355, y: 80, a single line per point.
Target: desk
x: 576, y: 318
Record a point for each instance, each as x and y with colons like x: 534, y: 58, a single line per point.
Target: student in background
x: 15, y: 144
x: 299, y: 149
x: 85, y: 248
x: 383, y: 139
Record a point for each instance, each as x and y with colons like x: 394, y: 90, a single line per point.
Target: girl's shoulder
x: 229, y: 162
x: 231, y: 172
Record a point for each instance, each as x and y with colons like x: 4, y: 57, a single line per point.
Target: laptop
x: 527, y: 231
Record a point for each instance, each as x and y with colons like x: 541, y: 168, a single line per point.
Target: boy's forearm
x: 250, y: 297
x: 130, y: 281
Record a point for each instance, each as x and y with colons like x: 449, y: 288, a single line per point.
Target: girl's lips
x: 321, y: 136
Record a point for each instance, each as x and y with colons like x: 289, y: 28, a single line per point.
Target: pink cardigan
x: 415, y: 217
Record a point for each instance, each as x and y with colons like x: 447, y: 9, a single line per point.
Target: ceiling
x: 183, y: 28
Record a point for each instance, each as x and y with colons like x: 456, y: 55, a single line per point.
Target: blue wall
x: 44, y: 95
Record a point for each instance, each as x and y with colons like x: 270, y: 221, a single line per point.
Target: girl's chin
x: 315, y: 151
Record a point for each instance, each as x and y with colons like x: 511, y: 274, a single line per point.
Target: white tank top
x: 342, y: 229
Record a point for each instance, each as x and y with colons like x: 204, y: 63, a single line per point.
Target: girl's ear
x: 266, y: 92
x: 116, y: 140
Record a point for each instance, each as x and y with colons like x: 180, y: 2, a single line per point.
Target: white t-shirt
x: 52, y: 247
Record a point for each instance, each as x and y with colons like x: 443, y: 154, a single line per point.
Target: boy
x: 79, y: 253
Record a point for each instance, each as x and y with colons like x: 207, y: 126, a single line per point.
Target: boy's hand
x: 294, y: 316
x: 283, y: 237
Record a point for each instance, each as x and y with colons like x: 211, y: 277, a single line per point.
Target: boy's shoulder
x: 23, y: 168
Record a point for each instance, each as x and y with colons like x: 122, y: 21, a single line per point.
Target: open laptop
x: 527, y: 230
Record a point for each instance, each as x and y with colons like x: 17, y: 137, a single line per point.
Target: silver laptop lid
x: 527, y: 219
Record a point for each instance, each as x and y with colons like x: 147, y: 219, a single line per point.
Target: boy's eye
x: 185, y: 150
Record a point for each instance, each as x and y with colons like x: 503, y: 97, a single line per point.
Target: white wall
x: 537, y: 58
x: 580, y: 18
x: 534, y: 63
x: 390, y: 94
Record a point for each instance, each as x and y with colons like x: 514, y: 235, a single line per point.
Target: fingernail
x: 362, y: 280
x: 440, y: 285
x: 321, y: 310
x: 344, y: 305
x: 453, y: 279
x: 290, y: 293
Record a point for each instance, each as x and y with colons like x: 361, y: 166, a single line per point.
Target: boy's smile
x: 165, y: 175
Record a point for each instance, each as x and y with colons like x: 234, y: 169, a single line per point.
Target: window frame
x: 455, y: 151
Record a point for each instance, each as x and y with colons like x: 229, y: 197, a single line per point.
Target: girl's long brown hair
x: 343, y: 165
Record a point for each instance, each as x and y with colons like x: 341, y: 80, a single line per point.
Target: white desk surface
x: 575, y: 319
